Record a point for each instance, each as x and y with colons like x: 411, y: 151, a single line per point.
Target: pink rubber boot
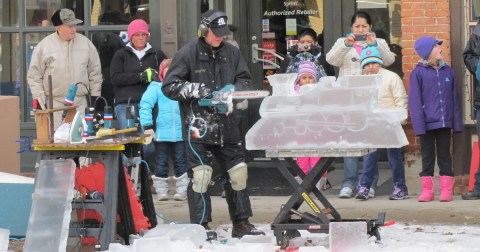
x: 446, y: 188
x: 427, y: 189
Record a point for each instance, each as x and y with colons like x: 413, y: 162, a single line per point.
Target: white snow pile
x: 397, y: 237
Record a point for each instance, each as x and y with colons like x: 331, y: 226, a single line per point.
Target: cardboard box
x: 10, y: 133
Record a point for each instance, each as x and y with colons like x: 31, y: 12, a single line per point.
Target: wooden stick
x: 50, y: 106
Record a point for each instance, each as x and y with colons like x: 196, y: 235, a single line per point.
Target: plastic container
x: 4, y: 238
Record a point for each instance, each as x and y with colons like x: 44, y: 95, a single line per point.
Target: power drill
x: 72, y: 91
x: 130, y: 114
x: 89, y: 111
x: 107, y: 117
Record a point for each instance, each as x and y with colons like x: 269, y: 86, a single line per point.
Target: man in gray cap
x: 69, y: 57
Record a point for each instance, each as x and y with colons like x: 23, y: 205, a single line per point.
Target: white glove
x: 149, y: 138
x: 242, y: 105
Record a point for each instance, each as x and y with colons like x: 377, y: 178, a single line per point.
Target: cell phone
x: 360, y: 37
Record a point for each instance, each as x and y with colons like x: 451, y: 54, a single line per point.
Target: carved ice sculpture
x: 329, y: 118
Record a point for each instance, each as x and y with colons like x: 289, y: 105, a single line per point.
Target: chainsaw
x: 222, y: 98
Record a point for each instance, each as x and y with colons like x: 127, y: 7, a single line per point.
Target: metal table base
x: 289, y: 220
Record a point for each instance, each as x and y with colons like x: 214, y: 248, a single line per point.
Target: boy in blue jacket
x: 435, y: 110
x: 166, y: 137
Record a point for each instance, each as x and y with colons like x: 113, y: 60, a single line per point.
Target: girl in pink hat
x: 307, y: 76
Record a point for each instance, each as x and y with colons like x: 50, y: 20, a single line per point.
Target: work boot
x: 211, y: 234
x: 161, y: 187
x: 181, y: 187
x: 472, y: 195
x: 244, y: 227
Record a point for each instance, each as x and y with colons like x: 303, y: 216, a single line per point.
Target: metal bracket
x: 256, y: 58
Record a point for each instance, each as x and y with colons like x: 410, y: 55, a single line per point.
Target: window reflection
x: 10, y: 64
x: 31, y: 39
x: 9, y: 13
x: 116, y: 12
x: 107, y: 43
x: 38, y: 13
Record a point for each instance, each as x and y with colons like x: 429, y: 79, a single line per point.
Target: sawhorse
x: 286, y: 228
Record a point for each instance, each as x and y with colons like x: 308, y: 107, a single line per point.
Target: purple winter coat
x: 433, y: 99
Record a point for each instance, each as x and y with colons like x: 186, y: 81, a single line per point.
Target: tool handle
x: 114, y: 132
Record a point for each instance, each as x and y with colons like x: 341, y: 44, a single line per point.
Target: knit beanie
x: 136, y: 26
x: 307, y: 67
x: 370, y: 55
x: 424, y: 46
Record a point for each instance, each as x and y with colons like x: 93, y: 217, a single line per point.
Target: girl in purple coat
x: 435, y: 110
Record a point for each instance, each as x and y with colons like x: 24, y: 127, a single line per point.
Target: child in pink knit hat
x: 307, y: 74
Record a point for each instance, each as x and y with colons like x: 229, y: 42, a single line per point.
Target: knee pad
x: 238, y: 176
x: 201, y: 178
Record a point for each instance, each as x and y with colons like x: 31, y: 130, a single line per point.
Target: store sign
x: 268, y: 42
x: 310, y: 12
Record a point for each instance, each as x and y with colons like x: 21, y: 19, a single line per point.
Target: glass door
x: 273, y: 28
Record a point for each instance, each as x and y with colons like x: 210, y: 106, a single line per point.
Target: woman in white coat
x: 345, y: 54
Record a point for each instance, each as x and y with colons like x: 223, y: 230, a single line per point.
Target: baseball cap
x: 64, y: 16
x: 219, y: 25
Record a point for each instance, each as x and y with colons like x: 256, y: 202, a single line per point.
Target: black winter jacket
x: 471, y: 57
x: 322, y: 61
x: 125, y: 70
x: 194, y: 64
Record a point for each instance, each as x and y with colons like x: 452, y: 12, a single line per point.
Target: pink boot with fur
x: 427, y: 189
x: 446, y: 188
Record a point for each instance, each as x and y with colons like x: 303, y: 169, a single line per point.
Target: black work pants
x: 199, y: 204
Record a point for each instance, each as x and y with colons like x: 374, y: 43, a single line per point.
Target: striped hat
x: 370, y: 55
x: 307, y: 67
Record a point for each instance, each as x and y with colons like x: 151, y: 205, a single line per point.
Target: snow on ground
x: 396, y: 237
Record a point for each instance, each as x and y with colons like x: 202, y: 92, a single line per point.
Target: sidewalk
x: 265, y: 208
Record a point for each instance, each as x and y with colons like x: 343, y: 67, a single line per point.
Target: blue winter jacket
x: 169, y: 126
x: 433, y: 99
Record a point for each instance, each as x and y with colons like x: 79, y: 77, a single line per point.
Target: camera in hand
x: 360, y: 37
x: 304, y: 47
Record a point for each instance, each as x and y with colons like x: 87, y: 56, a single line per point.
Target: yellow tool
x: 108, y: 132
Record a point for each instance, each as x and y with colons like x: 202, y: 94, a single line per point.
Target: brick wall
x: 422, y: 18
x: 425, y: 18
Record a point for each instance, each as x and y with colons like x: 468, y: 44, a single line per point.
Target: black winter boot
x: 244, y: 227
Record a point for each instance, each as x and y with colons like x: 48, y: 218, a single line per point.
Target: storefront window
x: 31, y: 39
x: 9, y: 10
x: 284, y: 21
x: 9, y: 64
x: 281, y: 23
x: 386, y: 24
x: 107, y: 43
x: 117, y: 12
x: 38, y: 13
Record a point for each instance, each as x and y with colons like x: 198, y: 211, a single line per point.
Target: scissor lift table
x: 284, y: 226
